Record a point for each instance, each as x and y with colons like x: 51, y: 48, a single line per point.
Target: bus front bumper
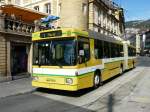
x: 55, y: 86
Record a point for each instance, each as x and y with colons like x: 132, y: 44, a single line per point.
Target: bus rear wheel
x: 133, y: 65
x: 121, y: 70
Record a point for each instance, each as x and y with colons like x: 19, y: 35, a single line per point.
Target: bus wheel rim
x: 96, y: 81
x: 121, y: 70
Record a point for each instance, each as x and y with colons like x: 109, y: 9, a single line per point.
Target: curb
x: 19, y: 93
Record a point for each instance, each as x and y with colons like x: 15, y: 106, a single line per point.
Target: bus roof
x: 57, y: 33
x: 132, y: 46
x: 71, y: 32
x: 99, y: 36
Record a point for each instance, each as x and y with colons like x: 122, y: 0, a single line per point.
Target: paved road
x: 36, y: 103
x: 123, y: 93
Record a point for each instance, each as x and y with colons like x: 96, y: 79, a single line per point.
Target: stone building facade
x: 102, y: 16
x: 16, y: 2
x: 45, y: 6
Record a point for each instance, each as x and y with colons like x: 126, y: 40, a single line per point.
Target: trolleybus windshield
x: 55, y: 53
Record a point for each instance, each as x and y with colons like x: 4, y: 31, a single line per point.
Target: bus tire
x: 121, y: 70
x: 133, y: 64
x: 97, y: 80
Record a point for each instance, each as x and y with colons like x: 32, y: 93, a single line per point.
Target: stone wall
x: 3, y: 56
x: 73, y: 15
x: 91, y: 16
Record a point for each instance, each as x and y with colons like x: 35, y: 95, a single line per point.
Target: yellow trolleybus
x: 72, y: 59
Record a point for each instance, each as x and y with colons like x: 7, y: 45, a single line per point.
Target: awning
x: 26, y: 15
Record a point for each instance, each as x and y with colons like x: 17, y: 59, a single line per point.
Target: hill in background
x: 141, y: 24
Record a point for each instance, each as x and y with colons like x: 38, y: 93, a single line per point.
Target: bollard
x: 110, y: 102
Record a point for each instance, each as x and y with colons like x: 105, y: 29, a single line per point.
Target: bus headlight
x: 69, y: 81
x: 35, y: 78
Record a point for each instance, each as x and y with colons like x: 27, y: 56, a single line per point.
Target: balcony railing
x: 11, y: 25
x: 17, y: 26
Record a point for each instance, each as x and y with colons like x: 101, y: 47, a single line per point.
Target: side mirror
x: 36, y: 60
x: 81, y: 56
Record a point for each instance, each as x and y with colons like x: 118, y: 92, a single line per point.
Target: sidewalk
x: 139, y: 99
x: 15, y: 87
x: 132, y: 96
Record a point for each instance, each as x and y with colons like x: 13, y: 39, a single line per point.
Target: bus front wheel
x: 96, y: 80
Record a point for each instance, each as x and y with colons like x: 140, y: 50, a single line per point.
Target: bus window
x: 64, y: 52
x: 106, y: 49
x: 134, y: 52
x: 44, y: 53
x: 59, y: 51
x: 85, y: 47
x: 98, y: 46
x: 118, y: 50
x: 55, y: 53
x: 113, y: 50
x: 121, y: 51
x: 131, y: 51
x: 96, y: 49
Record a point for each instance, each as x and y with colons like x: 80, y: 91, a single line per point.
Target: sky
x: 135, y: 9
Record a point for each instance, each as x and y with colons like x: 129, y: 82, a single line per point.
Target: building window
x: 99, y: 17
x: 26, y: 2
x: 84, y: 8
x: 104, y: 20
x: 96, y: 15
x: 17, y: 2
x: 2, y: 0
x: 35, y: 0
x: 59, y: 8
x: 48, y: 8
x: 36, y: 8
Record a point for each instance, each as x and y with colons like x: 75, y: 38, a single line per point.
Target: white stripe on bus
x: 72, y: 72
x: 67, y: 72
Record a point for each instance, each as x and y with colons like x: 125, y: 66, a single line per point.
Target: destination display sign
x: 51, y: 34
